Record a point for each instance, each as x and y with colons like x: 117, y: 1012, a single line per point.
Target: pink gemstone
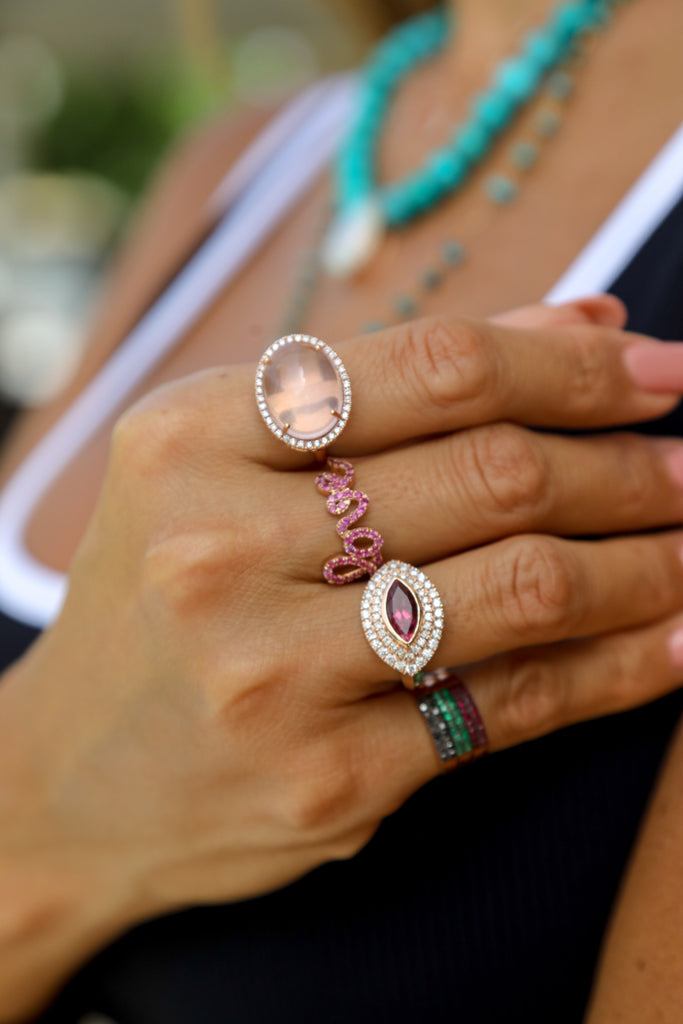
x: 402, y: 611
x: 303, y: 390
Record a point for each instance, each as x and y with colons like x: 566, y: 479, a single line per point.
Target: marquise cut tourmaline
x: 402, y: 611
x: 402, y: 618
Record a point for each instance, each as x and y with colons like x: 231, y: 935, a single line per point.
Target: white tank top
x: 253, y: 198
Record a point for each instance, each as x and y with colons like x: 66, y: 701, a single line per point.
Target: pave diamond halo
x: 303, y: 392
x: 402, y: 618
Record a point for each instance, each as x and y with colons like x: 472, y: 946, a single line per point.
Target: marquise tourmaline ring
x: 402, y: 617
x: 303, y: 392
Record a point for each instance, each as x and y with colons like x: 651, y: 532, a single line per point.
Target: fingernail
x: 655, y: 366
x: 604, y: 310
x: 676, y: 647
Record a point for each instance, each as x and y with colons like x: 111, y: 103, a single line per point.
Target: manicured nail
x: 676, y: 647
x: 655, y: 366
x: 604, y: 310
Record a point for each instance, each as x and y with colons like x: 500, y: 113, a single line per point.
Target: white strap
x: 627, y: 228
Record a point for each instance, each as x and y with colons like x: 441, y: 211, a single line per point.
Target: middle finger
x: 455, y: 492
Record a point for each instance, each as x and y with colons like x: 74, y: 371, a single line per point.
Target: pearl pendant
x: 353, y: 238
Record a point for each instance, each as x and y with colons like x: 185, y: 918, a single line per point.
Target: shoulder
x: 173, y: 209
x: 196, y: 164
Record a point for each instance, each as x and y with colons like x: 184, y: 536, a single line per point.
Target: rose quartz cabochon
x: 302, y: 388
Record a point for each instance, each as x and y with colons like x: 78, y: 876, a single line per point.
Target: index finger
x: 442, y: 374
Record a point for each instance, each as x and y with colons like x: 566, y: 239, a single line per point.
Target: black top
x: 514, y: 863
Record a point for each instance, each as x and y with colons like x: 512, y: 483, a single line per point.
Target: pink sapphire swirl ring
x: 362, y: 544
x: 303, y: 392
x: 402, y: 618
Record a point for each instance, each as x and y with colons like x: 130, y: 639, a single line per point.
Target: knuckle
x: 199, y: 570
x: 124, y: 436
x: 507, y: 473
x: 658, y: 577
x: 633, y: 455
x: 147, y: 439
x: 624, y: 669
x: 538, y: 587
x: 447, y: 360
x: 535, y: 701
x: 350, y: 844
x: 321, y: 791
x: 185, y: 573
x: 590, y: 383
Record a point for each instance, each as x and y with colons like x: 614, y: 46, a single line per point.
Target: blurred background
x: 91, y: 96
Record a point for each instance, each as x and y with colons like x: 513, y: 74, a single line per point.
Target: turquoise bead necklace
x: 364, y: 210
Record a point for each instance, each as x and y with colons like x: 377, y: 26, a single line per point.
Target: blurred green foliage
x: 119, y: 126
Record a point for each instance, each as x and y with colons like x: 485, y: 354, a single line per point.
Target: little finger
x: 520, y: 697
x: 526, y: 694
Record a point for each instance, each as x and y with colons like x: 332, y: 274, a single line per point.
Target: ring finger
x: 522, y: 591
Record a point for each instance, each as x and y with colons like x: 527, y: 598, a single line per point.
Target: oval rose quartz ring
x: 402, y: 618
x: 303, y: 392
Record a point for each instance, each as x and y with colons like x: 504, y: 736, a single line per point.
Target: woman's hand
x: 206, y: 722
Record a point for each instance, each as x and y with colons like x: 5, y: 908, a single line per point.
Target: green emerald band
x: 452, y: 718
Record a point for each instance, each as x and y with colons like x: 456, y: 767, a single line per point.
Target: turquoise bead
x: 494, y: 109
x: 372, y: 107
x: 602, y: 16
x: 473, y: 140
x: 423, y: 191
x: 365, y: 134
x: 572, y: 18
x: 353, y: 192
x: 447, y: 167
x: 355, y: 164
x: 394, y: 206
x: 379, y: 77
x: 500, y: 190
x: 518, y: 78
x: 543, y: 48
x: 355, y: 187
